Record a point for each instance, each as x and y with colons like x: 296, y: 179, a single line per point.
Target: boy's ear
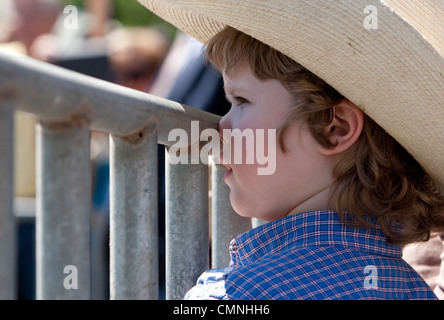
x: 345, y: 128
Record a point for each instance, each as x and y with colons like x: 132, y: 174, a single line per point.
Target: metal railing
x: 68, y: 106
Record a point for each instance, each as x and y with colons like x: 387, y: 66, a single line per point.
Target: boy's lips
x: 229, y: 169
x: 228, y: 172
x: 220, y: 158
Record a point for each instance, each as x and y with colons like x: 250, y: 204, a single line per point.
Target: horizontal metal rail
x: 60, y: 96
x: 68, y: 105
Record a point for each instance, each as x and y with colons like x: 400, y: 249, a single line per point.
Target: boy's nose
x: 224, y: 123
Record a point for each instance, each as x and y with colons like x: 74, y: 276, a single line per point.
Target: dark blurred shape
x: 95, y: 65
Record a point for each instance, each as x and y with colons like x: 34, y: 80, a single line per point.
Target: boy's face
x: 302, y: 175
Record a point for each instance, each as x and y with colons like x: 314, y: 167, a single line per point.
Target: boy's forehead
x: 238, y: 78
x: 232, y: 87
x: 237, y: 85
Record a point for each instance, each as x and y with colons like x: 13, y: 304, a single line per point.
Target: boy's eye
x: 240, y: 101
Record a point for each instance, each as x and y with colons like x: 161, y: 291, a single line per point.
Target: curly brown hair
x: 376, y: 177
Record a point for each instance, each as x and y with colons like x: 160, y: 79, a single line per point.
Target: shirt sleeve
x: 210, y: 286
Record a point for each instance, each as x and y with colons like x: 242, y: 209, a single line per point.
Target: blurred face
x: 302, y: 174
x: 30, y: 20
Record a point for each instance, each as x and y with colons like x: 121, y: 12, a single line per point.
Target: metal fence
x: 68, y: 106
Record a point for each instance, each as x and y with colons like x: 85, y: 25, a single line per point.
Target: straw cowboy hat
x: 387, y: 56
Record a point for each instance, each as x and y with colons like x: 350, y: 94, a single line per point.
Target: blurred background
x: 119, y: 41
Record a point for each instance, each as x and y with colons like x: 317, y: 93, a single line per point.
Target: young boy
x: 345, y: 195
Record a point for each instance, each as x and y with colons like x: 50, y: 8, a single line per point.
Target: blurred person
x: 100, y: 10
x: 427, y: 259
x: 82, y: 32
x: 46, y: 31
x: 27, y: 21
x: 135, y: 55
x: 186, y: 78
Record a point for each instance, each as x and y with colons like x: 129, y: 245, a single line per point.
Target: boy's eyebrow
x: 228, y: 93
x: 233, y: 91
x: 231, y: 96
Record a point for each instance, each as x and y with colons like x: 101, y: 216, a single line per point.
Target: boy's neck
x: 317, y: 202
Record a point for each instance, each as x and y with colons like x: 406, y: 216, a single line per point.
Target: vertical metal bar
x: 134, y: 218
x: 63, y: 212
x: 187, y: 233
x: 8, y: 252
x: 226, y: 224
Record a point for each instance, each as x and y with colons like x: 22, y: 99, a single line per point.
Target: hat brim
x: 394, y: 73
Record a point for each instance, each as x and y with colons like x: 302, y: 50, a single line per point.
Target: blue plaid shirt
x: 312, y: 255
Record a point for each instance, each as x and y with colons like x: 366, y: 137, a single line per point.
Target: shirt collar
x: 314, y: 228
